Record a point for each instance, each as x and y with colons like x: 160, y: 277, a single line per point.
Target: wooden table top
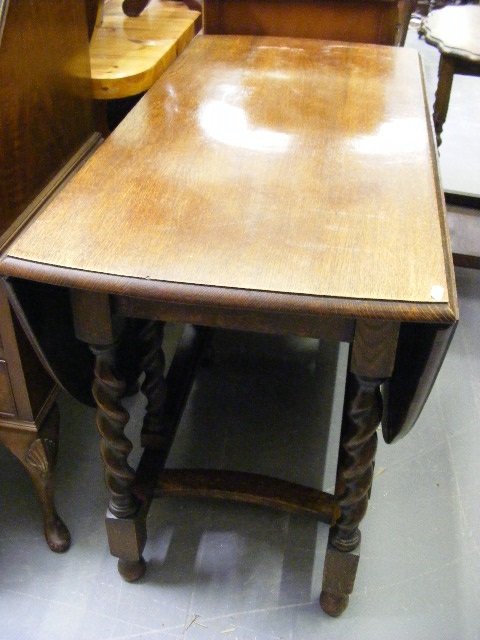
x: 455, y: 31
x: 261, y: 165
x: 127, y: 55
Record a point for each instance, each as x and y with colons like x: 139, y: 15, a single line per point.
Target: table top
x: 297, y: 169
x: 127, y: 54
x: 455, y: 31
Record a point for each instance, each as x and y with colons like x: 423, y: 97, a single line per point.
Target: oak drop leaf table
x: 263, y: 184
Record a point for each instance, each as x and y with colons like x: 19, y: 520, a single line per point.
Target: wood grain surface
x: 267, y: 165
x: 369, y: 21
x: 45, y: 86
x: 127, y: 54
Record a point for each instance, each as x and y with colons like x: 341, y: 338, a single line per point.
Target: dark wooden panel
x: 38, y: 383
x: 420, y: 353
x: 369, y: 21
x: 46, y: 127
x: 44, y: 98
x: 91, y: 7
x: 46, y: 316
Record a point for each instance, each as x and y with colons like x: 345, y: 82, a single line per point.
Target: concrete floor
x: 223, y: 571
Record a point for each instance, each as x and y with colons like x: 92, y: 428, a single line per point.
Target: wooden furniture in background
x: 217, y: 204
x: 46, y: 131
x: 455, y: 31
x: 464, y: 225
x: 405, y: 11
x: 127, y: 54
x: 369, y: 21
x: 375, y: 21
x: 134, y: 8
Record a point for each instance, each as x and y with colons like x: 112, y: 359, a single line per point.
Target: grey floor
x: 223, y: 571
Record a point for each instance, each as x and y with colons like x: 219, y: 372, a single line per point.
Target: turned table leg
x: 125, y: 523
x: 446, y: 71
x: 125, y: 520
x: 358, y: 444
x: 126, y: 517
x: 372, y: 359
x: 154, y: 386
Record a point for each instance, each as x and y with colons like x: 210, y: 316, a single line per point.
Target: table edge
x: 446, y: 50
x: 223, y: 297
x: 441, y: 204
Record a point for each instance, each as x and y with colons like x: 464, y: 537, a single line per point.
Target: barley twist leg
x: 154, y: 386
x: 125, y: 530
x: 358, y: 443
x: 112, y: 418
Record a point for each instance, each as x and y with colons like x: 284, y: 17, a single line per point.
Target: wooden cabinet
x: 46, y: 131
x: 369, y: 21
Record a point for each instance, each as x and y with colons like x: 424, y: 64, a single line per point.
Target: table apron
x: 464, y: 67
x: 303, y: 325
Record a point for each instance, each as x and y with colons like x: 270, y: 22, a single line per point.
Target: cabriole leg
x: 39, y: 461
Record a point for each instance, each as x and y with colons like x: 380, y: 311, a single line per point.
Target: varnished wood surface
x: 455, y: 31
x: 44, y: 70
x: 369, y: 21
x: 250, y: 488
x: 213, y: 186
x: 127, y: 54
